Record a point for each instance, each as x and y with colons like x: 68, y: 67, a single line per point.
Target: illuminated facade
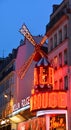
x: 59, y: 49
x: 55, y: 104
x: 47, y: 101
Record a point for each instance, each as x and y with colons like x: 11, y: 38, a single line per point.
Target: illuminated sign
x: 24, y: 102
x: 58, y: 122
x: 43, y: 75
x: 48, y: 100
x: 38, y: 123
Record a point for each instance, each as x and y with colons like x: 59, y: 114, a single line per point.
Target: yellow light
x: 32, y: 91
x: 5, y: 95
x: 18, y: 118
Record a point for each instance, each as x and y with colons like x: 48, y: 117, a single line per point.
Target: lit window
x: 60, y: 59
x: 60, y: 36
x: 66, y: 82
x: 55, y: 62
x: 51, y: 62
x: 65, y: 31
x: 55, y: 40
x: 60, y: 84
x: 56, y: 85
x: 65, y: 56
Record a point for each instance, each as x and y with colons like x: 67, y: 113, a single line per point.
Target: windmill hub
x: 37, y: 47
x: 37, y: 57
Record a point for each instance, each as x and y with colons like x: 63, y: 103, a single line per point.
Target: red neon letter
x: 39, y: 100
x: 44, y: 100
x: 62, y: 100
x: 53, y: 100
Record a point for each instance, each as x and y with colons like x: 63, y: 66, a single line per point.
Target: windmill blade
x: 43, y: 40
x: 43, y: 54
x: 24, y: 30
x: 22, y: 71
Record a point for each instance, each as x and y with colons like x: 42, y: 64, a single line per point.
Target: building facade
x: 59, y: 49
x: 39, y: 109
x: 15, y: 92
x: 7, y: 85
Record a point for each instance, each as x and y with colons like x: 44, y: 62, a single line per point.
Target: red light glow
x: 52, y: 100
x: 43, y: 75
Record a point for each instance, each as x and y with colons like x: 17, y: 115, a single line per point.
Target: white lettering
x: 16, y: 106
x: 23, y: 103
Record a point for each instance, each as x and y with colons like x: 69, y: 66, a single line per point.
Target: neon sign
x: 33, y: 124
x: 43, y: 75
x: 48, y: 100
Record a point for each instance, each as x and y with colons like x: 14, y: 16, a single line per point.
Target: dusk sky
x: 13, y: 13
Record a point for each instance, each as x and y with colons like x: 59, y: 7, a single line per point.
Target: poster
x: 58, y: 122
x: 38, y: 123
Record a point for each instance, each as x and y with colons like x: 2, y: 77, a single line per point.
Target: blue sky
x: 13, y: 13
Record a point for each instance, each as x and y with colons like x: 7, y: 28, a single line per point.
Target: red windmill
x: 36, y: 55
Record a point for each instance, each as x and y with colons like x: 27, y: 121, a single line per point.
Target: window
x: 66, y: 82
x: 60, y: 84
x: 1, y: 101
x: 56, y: 85
x: 60, y: 36
x: 14, y: 66
x: 51, y: 44
x: 55, y: 62
x: 1, y: 88
x: 52, y: 62
x: 65, y: 56
x: 6, y: 84
x: 55, y: 40
x: 60, y: 59
x: 65, y: 31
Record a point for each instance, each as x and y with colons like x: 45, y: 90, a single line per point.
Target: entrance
x: 46, y: 120
x: 37, y: 123
x: 55, y: 119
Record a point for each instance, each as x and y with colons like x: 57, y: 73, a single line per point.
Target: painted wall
x: 23, y: 87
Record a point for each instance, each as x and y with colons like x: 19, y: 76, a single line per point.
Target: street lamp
x: 8, y: 100
x: 6, y: 95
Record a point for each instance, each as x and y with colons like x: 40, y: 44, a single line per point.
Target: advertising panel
x: 58, y: 122
x: 38, y: 123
